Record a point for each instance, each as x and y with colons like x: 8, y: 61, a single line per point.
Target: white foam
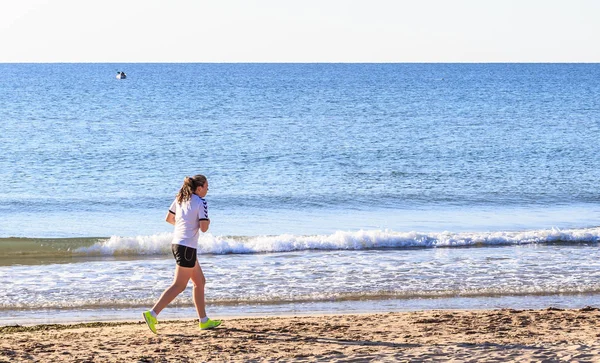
x: 340, y: 240
x: 140, y: 245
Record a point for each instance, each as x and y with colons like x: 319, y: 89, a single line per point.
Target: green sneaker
x: 151, y: 321
x: 210, y: 324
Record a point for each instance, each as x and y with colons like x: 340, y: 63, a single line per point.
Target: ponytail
x: 189, y: 187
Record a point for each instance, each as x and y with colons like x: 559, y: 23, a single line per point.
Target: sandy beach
x: 460, y: 336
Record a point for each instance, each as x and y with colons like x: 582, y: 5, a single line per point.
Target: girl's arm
x: 204, y: 224
x: 170, y: 218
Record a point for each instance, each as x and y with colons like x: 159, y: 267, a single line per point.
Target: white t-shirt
x: 187, y: 217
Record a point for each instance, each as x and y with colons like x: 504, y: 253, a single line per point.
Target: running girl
x: 189, y: 214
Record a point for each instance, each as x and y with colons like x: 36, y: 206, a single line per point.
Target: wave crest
x: 340, y: 240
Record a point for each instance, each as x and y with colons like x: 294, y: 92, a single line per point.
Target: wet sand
x: 453, y: 336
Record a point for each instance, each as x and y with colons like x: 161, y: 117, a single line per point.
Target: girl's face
x: 201, y: 191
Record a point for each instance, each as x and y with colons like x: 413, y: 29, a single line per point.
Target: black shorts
x: 184, y: 256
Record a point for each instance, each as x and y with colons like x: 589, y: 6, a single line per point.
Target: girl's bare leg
x: 182, y: 276
x: 199, y: 282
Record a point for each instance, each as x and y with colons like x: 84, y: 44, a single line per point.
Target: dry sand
x: 549, y: 335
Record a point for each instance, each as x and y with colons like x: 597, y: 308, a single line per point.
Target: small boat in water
x: 121, y: 75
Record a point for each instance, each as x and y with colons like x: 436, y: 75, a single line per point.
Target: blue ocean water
x: 85, y: 154
x: 349, y: 157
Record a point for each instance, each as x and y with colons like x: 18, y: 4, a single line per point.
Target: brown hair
x: 189, y: 187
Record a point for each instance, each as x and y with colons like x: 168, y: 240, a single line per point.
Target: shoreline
x: 30, y: 317
x: 465, y: 335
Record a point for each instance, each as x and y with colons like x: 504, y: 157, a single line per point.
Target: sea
x: 334, y: 188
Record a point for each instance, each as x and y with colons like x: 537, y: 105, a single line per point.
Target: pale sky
x: 299, y: 31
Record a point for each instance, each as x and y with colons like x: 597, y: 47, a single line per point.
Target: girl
x: 188, y: 213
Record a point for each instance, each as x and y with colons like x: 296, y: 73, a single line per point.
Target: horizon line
x: 286, y: 62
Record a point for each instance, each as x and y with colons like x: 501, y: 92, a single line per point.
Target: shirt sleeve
x: 203, y: 213
x: 173, y: 207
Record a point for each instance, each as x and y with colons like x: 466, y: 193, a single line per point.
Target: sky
x: 299, y: 31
